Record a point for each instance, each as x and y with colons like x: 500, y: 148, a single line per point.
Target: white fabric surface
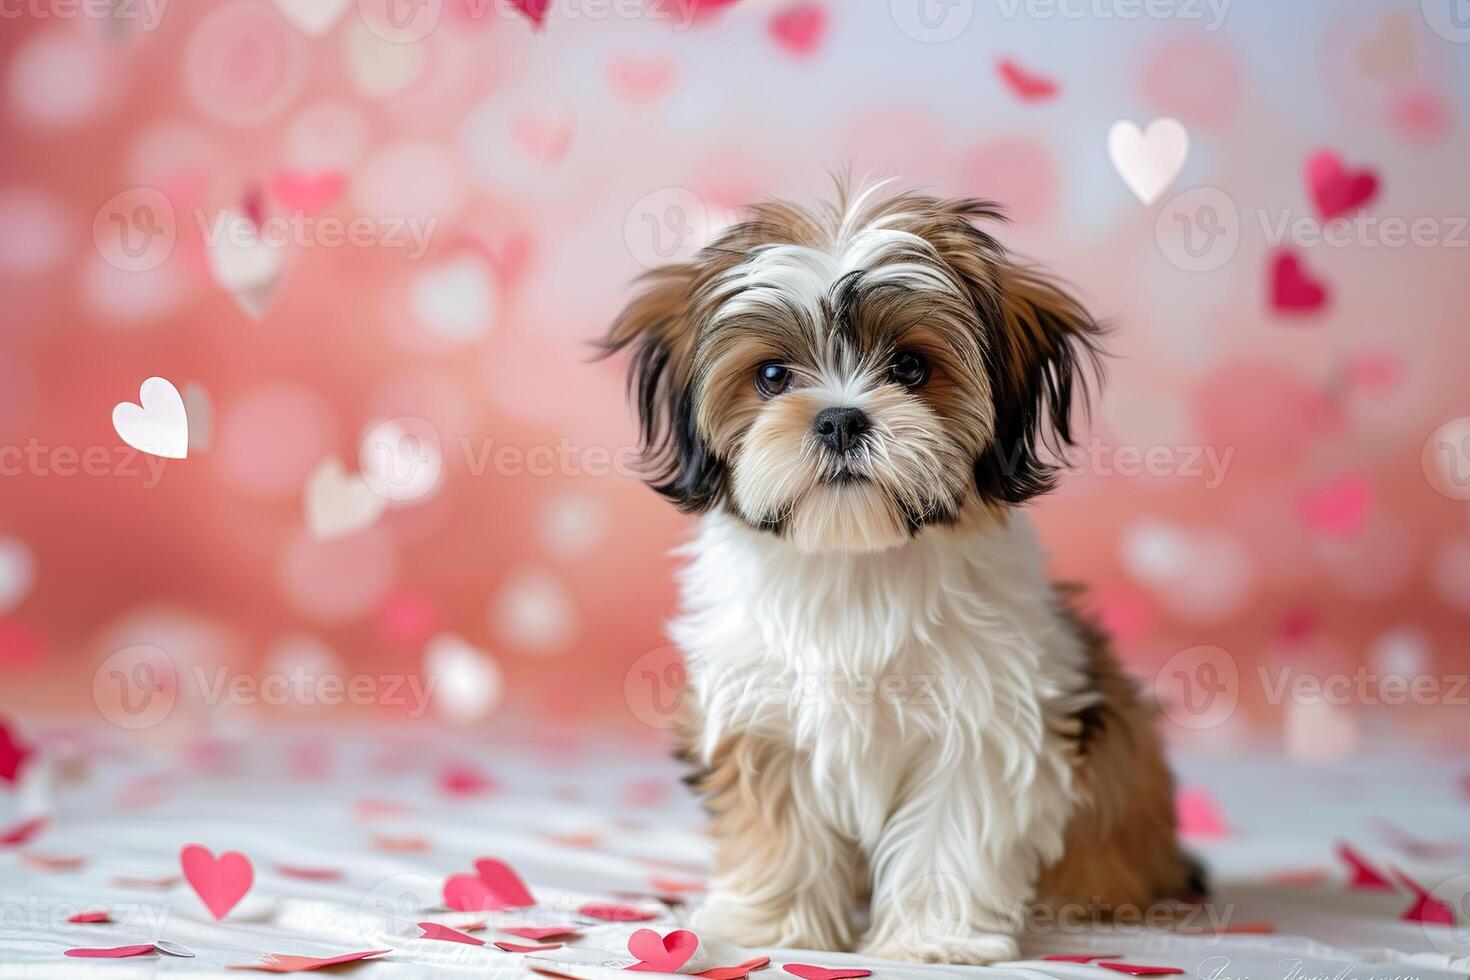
x: 600, y: 822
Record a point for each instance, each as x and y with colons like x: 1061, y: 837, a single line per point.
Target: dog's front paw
x: 973, y: 949
x: 748, y: 922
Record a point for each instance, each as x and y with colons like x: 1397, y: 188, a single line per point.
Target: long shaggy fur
x: 892, y: 704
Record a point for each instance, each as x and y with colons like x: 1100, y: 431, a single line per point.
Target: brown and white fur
x: 890, y: 700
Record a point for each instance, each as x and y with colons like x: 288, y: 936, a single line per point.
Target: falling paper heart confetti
x: 1294, y: 290
x: 338, y: 504
x: 158, y: 424
x: 1335, y: 189
x: 220, y: 882
x: 1149, y: 159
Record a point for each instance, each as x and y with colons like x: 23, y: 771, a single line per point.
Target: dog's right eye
x: 772, y: 378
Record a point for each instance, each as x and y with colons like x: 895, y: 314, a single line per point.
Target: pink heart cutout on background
x: 662, y: 954
x: 1338, y: 508
x: 800, y: 28
x: 1336, y: 189
x: 307, y: 192
x: 219, y: 882
x: 1198, y: 814
x: 493, y: 886
x: 1292, y: 289
x: 115, y: 953
x: 443, y: 933
x: 808, y: 972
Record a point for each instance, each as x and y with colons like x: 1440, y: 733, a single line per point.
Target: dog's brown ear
x: 1043, y: 350
x: 658, y: 328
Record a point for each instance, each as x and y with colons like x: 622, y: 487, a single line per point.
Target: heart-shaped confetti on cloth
x: 1426, y: 908
x: 518, y: 948
x: 1025, y: 85
x: 1149, y: 159
x: 337, y: 503
x: 98, y: 917
x: 1335, y: 189
x: 613, y: 912
x: 285, y: 963
x: 220, y: 882
x: 661, y: 954
x: 492, y: 887
x: 112, y: 953
x: 538, y: 933
x: 809, y: 972
x: 434, y: 930
x: 158, y: 424
x: 13, y: 754
x: 1137, y: 970
x: 738, y: 972
x: 800, y: 28
x: 1079, y: 958
x: 1364, y: 877
x: 23, y: 832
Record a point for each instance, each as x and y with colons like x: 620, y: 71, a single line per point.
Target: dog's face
x: 846, y: 379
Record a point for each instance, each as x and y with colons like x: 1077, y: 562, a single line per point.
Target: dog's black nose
x: 840, y: 428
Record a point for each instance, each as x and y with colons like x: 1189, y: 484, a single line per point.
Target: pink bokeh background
x: 547, y: 165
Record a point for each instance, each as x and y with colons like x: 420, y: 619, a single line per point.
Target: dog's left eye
x: 772, y: 378
x: 909, y: 368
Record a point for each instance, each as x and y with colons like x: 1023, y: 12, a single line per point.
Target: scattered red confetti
x: 808, y: 972
x: 517, y: 948
x: 1026, y: 85
x: 433, y: 930
x: 13, y: 754
x: 661, y: 954
x: 1426, y: 908
x: 23, y: 832
x: 113, y: 953
x: 54, y: 862
x: 1199, y: 814
x: 1293, y: 290
x: 309, y: 874
x: 99, y: 917
x: 282, y: 963
x: 1366, y: 878
x: 493, y: 886
x: 610, y: 912
x: 1133, y: 969
x: 738, y: 972
x: 220, y: 882
x: 1069, y: 958
x: 1335, y: 189
x: 799, y: 28
x: 538, y: 933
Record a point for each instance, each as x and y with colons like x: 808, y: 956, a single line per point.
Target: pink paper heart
x: 1293, y: 289
x: 100, y: 917
x: 518, y: 948
x: 535, y: 10
x: 808, y: 972
x: 610, y: 912
x: 1338, y: 508
x: 1199, y: 814
x: 493, y: 886
x: 738, y: 972
x: 308, y: 193
x: 220, y: 882
x: 114, y: 953
x: 285, y: 963
x: 433, y: 930
x: 1025, y: 85
x: 799, y: 28
x: 661, y: 954
x: 1335, y: 189
x: 538, y: 933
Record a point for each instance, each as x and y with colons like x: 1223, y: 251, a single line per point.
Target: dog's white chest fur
x: 941, y: 666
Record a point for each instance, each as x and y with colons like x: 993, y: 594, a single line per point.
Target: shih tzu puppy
x: 892, y: 706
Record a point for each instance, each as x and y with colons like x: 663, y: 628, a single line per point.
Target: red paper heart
x: 220, y: 882
x: 493, y: 886
x: 115, y: 953
x: 736, y: 972
x: 433, y: 930
x: 13, y: 754
x: 1365, y: 877
x: 535, y: 10
x: 1199, y: 813
x: 1026, y: 86
x: 1133, y: 969
x: 307, y: 193
x: 1293, y: 290
x: 799, y: 28
x: 90, y: 918
x: 538, y: 933
x: 517, y: 948
x: 1334, y: 188
x: 1426, y: 908
x: 661, y: 954
x: 808, y: 972
x: 284, y: 963
x: 609, y: 912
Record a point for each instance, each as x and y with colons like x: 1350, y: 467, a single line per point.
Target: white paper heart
x: 467, y: 680
x: 200, y: 412
x: 17, y: 572
x: 454, y: 300
x: 243, y: 263
x: 338, y: 504
x: 158, y: 425
x: 313, y: 17
x: 1148, y: 160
